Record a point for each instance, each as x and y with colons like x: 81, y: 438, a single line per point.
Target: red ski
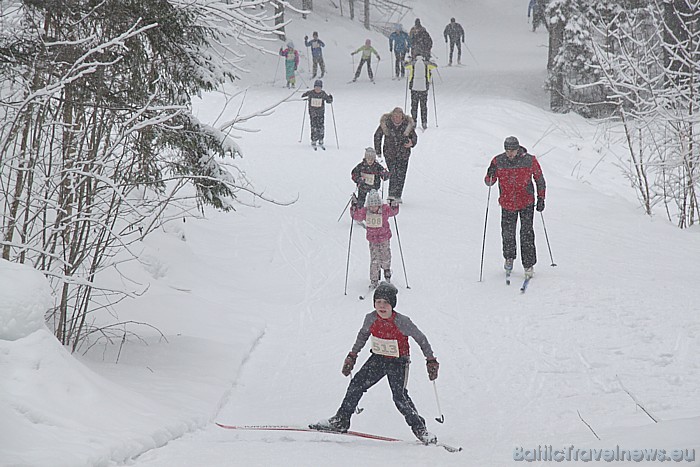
x: 357, y: 434
x: 303, y: 429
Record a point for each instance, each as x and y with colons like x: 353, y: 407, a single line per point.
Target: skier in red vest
x: 390, y: 356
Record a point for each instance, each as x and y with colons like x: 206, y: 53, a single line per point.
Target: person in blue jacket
x: 316, y: 45
x: 399, y: 43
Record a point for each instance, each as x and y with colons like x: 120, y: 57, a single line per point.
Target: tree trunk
x: 366, y: 20
x: 279, y: 19
x: 556, y: 91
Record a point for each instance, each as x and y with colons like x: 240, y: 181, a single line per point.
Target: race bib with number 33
x: 386, y: 347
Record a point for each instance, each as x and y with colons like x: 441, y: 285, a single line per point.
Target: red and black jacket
x: 515, y: 179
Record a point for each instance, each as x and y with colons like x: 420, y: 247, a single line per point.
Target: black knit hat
x: 388, y: 292
x: 511, y: 142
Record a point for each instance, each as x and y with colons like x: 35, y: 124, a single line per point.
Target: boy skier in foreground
x: 390, y: 356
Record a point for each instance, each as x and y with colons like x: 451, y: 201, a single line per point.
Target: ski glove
x: 349, y: 364
x: 540, y: 205
x: 433, y: 366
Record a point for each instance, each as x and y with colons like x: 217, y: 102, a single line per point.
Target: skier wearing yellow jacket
x: 367, y: 51
x: 420, y: 71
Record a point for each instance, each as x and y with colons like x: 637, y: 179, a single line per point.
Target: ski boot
x: 335, y: 423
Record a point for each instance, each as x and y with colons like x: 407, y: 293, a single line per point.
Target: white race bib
x: 386, y: 347
x: 316, y: 102
x: 373, y: 220
x: 368, y: 178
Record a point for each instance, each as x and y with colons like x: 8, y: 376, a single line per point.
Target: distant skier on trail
x: 398, y: 133
x: 316, y: 45
x: 419, y: 75
x: 367, y: 50
x: 376, y: 215
x: 455, y: 33
x: 318, y: 99
x: 515, y: 170
x: 291, y: 63
x: 388, y: 331
x: 421, y: 42
x: 399, y: 43
x: 368, y: 175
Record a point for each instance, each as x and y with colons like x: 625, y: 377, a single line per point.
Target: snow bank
x: 26, y: 296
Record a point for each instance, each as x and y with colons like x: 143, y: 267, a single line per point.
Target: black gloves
x: 540, y: 205
x: 433, y: 367
x: 349, y: 364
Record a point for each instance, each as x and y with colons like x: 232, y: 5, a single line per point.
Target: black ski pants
x: 318, y: 126
x: 419, y: 99
x: 318, y: 62
x: 397, y: 166
x: 509, y: 220
x: 369, y: 68
x: 399, y: 68
x: 374, y: 369
x: 459, y: 50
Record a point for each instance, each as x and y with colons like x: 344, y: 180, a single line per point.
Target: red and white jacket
x: 396, y: 328
x: 515, y: 179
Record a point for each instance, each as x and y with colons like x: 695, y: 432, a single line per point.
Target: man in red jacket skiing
x: 390, y: 356
x: 515, y: 170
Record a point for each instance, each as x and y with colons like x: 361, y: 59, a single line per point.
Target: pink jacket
x: 376, y: 234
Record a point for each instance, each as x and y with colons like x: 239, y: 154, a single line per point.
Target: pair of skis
x: 318, y: 146
x: 526, y: 282
x: 309, y: 429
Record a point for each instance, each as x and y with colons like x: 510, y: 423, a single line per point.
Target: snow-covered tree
x: 650, y: 68
x: 98, y: 142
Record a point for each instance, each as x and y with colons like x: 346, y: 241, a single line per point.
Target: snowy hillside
x: 255, y: 323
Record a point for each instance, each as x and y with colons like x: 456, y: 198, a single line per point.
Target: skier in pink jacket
x: 376, y: 215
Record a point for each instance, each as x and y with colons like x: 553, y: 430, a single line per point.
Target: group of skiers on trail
x: 522, y: 191
x: 388, y: 330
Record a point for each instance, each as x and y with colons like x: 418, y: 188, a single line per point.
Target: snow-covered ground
x: 256, y: 324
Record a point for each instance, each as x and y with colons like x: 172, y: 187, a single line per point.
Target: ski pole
x: 335, y: 129
x: 398, y: 237
x: 446, y: 54
x: 276, y: 68
x: 405, y: 98
x: 547, y: 238
x: 470, y: 53
x: 303, y: 119
x: 347, y: 267
x: 483, y: 244
x: 308, y: 57
x: 435, y: 106
x: 358, y: 410
x: 346, y: 208
x: 441, y: 418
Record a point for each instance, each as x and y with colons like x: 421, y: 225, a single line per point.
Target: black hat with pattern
x: 386, y: 291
